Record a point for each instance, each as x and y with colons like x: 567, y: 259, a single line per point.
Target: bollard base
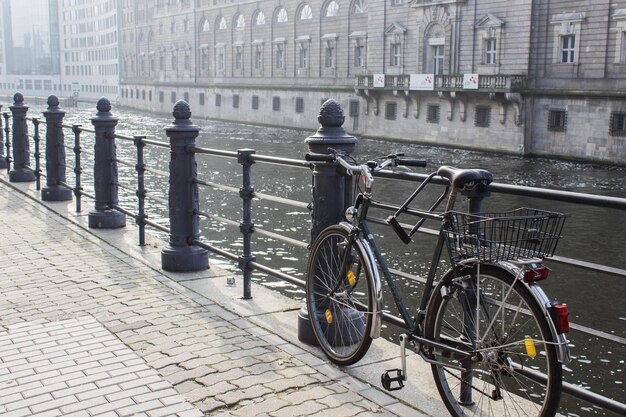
x: 305, y: 331
x: 184, y: 259
x: 22, y: 175
x: 56, y: 194
x: 106, y: 219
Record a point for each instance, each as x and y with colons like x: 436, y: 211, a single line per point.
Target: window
x: 161, y: 96
x: 395, y: 54
x: 490, y: 51
x: 258, y: 59
x: 332, y: 9
x: 173, y: 97
x: 201, y: 99
x: 260, y: 19
x: 396, y: 2
x: 205, y: 59
x: 432, y: 113
x: 162, y: 62
x: 438, y: 55
x: 281, y: 16
x: 186, y: 97
x: 390, y: 110
x: 299, y: 105
x: 306, y: 13
x: 236, y: 101
x: 280, y: 56
x: 218, y: 100
x: 223, y: 25
x: 255, y: 102
x: 174, y: 61
x: 482, y: 117
x: 276, y: 103
x: 220, y: 60
x: 241, y: 22
x: 329, y: 61
x: 359, y: 56
x: 304, y: 58
x: 354, y: 108
x: 557, y: 121
x: 173, y: 27
x: 186, y: 26
x: 206, y: 26
x: 618, y: 124
x: 359, y: 6
x: 568, y: 44
x: 238, y: 58
x: 187, y: 61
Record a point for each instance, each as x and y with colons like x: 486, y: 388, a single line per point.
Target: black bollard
x: 181, y: 254
x: 104, y: 216
x: 332, y: 189
x: 55, y: 154
x: 3, y: 159
x: 21, y: 172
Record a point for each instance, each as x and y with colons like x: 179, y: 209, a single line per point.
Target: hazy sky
x: 29, y: 16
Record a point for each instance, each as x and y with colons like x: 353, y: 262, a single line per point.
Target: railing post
x: 3, y: 159
x: 181, y: 254
x: 7, y: 132
x: 55, y: 154
x: 332, y: 189
x: 78, y: 170
x: 246, y: 192
x: 37, y: 152
x: 140, y: 167
x: 22, y: 171
x: 104, y: 216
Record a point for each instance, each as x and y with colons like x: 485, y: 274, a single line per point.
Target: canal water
x: 596, y: 300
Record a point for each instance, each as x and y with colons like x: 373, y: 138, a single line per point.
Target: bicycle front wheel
x: 338, y: 296
x: 513, y: 368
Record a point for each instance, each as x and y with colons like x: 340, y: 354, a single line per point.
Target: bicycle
x: 494, y: 340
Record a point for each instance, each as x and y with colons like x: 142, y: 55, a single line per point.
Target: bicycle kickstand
x: 393, y: 379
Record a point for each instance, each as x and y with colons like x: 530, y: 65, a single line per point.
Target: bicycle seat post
x: 475, y: 197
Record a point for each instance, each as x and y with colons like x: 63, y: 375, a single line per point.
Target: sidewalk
x: 91, y: 326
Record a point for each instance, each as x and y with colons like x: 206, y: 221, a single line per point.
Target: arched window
x: 281, y: 16
x: 206, y: 26
x: 306, y: 13
x: 359, y: 6
x: 241, y: 22
x: 260, y: 19
x: 223, y: 25
x: 332, y: 9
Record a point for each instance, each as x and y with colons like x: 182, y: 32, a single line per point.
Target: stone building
x: 527, y: 77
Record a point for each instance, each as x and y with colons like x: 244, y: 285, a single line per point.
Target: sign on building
x: 470, y: 81
x: 423, y: 82
x: 379, y: 80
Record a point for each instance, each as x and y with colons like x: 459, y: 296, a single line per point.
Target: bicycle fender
x: 562, y: 349
x: 375, y: 285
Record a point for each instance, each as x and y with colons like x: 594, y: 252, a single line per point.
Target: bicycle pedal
x: 391, y: 382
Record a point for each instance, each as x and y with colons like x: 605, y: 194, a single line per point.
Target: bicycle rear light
x: 536, y: 274
x: 560, y: 316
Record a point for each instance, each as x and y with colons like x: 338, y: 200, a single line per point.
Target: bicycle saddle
x: 465, y: 179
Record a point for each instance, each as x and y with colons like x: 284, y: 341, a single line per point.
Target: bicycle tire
x: 340, y: 306
x: 508, y: 315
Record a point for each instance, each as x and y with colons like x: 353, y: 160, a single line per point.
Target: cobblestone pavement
x: 86, y: 330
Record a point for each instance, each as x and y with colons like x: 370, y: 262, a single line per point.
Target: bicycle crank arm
x: 394, y: 383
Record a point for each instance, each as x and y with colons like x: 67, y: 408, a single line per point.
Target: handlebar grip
x: 411, y: 162
x: 391, y: 220
x: 319, y: 157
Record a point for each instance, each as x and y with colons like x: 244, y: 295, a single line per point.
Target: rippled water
x: 592, y: 234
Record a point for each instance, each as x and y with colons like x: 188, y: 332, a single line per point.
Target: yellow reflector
x: 329, y: 317
x: 351, y: 278
x: 530, y: 347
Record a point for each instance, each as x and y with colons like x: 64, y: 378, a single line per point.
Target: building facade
x: 63, y: 47
x: 528, y: 77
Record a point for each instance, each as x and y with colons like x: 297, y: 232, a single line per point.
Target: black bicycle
x: 495, y: 341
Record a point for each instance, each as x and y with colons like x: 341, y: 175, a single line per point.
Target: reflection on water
x: 591, y: 234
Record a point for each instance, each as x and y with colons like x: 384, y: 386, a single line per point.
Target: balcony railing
x: 454, y: 82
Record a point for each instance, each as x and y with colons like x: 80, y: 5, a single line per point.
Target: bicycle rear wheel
x: 494, y: 315
x: 339, y: 299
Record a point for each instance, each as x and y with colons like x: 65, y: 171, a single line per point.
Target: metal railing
x: 246, y: 260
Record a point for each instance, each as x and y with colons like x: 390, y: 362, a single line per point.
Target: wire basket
x: 523, y: 233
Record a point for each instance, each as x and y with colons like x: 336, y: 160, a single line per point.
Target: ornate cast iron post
x: 246, y: 192
x: 104, y: 216
x: 21, y: 172
x: 332, y: 190
x: 181, y: 254
x: 55, y: 154
x: 3, y: 160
